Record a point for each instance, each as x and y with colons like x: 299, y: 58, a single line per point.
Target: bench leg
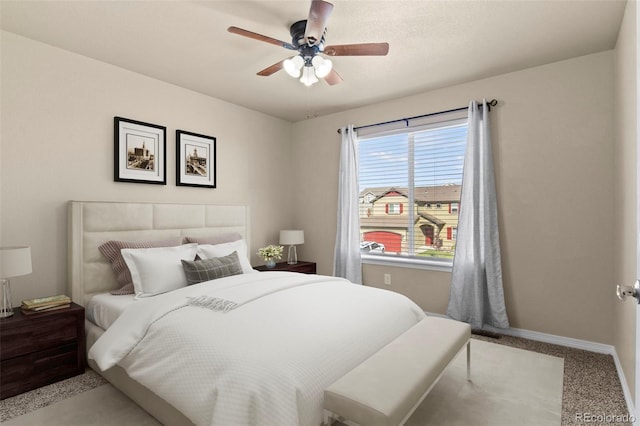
x: 469, y: 360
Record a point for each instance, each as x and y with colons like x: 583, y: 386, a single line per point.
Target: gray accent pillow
x: 198, y: 271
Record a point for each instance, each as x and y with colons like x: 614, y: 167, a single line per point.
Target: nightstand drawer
x: 302, y: 267
x: 305, y: 268
x: 38, y: 333
x: 41, y: 348
x: 39, y: 369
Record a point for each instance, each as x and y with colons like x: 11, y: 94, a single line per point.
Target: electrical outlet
x: 387, y: 279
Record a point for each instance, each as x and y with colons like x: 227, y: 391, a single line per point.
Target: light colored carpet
x: 102, y: 406
x: 508, y: 386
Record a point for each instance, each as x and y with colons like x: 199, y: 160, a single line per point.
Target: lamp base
x: 292, y: 258
x: 6, y: 310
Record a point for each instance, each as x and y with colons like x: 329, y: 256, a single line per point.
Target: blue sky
x: 438, y: 158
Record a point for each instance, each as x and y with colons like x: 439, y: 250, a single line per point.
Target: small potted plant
x: 270, y: 254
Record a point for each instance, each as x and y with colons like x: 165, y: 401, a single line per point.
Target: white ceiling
x: 432, y: 43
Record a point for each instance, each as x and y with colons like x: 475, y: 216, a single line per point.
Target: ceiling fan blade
x: 362, y: 49
x: 271, y: 69
x: 317, y: 21
x: 260, y: 37
x: 333, y: 78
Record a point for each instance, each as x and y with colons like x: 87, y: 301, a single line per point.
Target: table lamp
x: 14, y: 262
x: 291, y: 237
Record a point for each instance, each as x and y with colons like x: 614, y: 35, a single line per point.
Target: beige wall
x: 553, y: 147
x: 552, y: 137
x: 625, y: 211
x: 57, y: 145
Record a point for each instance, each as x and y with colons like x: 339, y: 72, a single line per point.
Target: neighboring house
x: 384, y: 218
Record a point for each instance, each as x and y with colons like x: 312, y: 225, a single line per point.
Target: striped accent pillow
x: 198, y: 271
x: 111, y: 250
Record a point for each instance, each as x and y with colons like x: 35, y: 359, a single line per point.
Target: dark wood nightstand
x: 301, y: 266
x: 40, y: 349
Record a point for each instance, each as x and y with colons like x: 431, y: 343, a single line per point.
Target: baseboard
x: 571, y: 343
x: 556, y: 340
x: 633, y: 411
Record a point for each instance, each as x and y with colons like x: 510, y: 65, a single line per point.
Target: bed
x: 265, y: 359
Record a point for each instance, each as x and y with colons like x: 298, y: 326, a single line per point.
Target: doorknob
x: 622, y: 291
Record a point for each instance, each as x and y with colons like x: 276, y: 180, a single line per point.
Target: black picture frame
x: 195, y: 159
x: 139, y: 152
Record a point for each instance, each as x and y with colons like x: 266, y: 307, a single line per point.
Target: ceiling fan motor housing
x: 306, y: 50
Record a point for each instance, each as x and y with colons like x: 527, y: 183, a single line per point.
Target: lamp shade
x: 308, y: 76
x: 322, y: 66
x: 15, y: 261
x: 293, y: 66
x: 291, y: 237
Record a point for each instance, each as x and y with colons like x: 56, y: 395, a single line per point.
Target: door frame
x: 637, y: 354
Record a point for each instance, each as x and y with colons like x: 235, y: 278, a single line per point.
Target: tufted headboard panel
x: 92, y: 223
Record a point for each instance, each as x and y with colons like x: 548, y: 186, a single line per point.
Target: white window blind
x: 420, y: 168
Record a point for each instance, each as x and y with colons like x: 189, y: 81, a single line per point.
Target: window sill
x: 407, y: 262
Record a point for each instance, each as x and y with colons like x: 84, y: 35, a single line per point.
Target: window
x: 415, y: 174
x: 394, y: 208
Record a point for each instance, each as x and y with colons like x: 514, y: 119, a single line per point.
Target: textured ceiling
x: 432, y: 43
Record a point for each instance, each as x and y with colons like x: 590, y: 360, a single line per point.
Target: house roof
x: 431, y: 218
x: 422, y: 194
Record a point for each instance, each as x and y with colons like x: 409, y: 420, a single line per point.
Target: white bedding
x: 265, y: 362
x: 103, y: 308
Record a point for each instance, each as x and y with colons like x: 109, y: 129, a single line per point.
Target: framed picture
x: 195, y: 160
x: 139, y: 152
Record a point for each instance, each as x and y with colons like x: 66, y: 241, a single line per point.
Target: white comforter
x: 265, y: 362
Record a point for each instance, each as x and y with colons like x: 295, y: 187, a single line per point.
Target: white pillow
x: 158, y: 270
x: 208, y: 251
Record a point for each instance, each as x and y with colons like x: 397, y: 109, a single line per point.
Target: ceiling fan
x: 308, y: 39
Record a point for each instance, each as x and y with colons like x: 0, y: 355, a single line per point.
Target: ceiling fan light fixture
x: 308, y: 38
x: 308, y: 76
x: 293, y: 66
x: 321, y: 66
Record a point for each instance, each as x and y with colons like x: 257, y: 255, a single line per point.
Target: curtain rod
x: 492, y: 102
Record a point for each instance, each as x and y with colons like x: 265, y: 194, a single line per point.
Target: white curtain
x: 477, y: 295
x: 347, y: 262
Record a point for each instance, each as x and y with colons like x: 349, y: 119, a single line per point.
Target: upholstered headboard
x: 93, y: 223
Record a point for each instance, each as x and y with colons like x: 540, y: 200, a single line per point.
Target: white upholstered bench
x: 387, y: 387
